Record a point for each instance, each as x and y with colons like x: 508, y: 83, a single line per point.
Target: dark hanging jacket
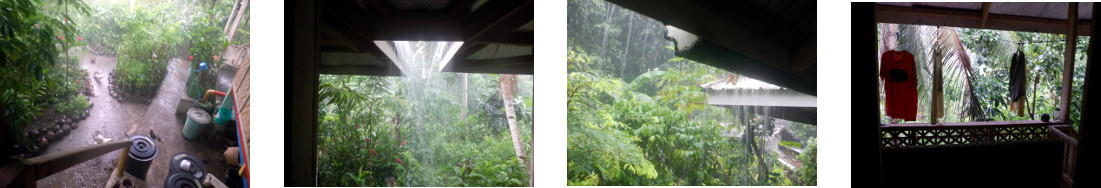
x: 1017, y: 76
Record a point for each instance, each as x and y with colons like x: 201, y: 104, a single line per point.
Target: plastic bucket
x: 185, y: 163
x: 142, y: 152
x: 196, y: 123
x: 181, y: 180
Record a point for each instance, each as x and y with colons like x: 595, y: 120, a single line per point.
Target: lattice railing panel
x: 960, y: 134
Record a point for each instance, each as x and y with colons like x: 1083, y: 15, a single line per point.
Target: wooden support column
x: 1068, y: 61
x: 300, y: 131
x: 1084, y: 170
x: 865, y: 116
x: 985, y: 13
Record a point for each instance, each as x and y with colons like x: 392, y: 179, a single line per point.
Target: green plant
x: 368, y: 123
x: 76, y: 105
x: 32, y: 41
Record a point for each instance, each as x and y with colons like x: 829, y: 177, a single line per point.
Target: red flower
x: 190, y: 57
x: 364, y: 146
x: 367, y: 139
x: 373, y: 152
x: 399, y: 161
x: 357, y: 126
x: 36, y: 26
x: 78, y: 39
x: 60, y: 37
x: 403, y: 143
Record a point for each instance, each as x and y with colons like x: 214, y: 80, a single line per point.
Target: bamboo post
x: 122, y: 161
x: 231, y: 13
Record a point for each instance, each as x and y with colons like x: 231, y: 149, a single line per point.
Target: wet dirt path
x: 107, y: 115
x: 116, y: 120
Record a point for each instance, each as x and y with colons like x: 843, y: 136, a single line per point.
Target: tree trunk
x: 630, y: 25
x: 464, y: 96
x: 508, y: 86
x: 608, y: 18
x: 237, y: 20
x: 762, y: 174
x: 231, y: 13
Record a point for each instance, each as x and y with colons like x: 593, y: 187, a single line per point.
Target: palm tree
x: 924, y: 42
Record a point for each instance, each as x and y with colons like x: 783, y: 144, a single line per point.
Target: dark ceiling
x: 355, y: 35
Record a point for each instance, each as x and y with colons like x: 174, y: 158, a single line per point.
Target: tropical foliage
x: 637, y: 116
x: 976, y: 70
x: 147, y: 34
x: 35, y: 68
x: 415, y: 130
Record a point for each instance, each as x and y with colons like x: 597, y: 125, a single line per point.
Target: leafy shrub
x: 76, y: 105
x: 31, y: 43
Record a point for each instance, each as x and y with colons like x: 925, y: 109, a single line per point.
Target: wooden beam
x: 46, y: 165
x: 507, y: 65
x: 460, y: 7
x: 985, y: 14
x: 363, y: 43
x: 492, y: 16
x: 358, y: 70
x: 325, y: 28
x: 356, y: 20
x: 381, y: 6
x: 510, y: 38
x: 464, y: 51
x: 401, y: 26
x: 1068, y: 61
x: 419, y: 26
x: 973, y: 19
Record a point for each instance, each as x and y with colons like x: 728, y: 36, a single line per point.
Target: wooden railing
x: 26, y: 172
x: 967, y: 134
x: 1069, y: 151
x: 904, y: 136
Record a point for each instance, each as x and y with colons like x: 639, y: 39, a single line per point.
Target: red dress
x: 896, y: 68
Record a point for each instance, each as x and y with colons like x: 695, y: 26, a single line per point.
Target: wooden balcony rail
x: 26, y: 172
x: 1069, y: 149
x: 906, y: 136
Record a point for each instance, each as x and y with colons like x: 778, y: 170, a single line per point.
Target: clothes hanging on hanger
x: 897, y: 70
x: 1017, y: 83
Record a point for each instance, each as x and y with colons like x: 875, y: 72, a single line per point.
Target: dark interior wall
x: 300, y: 138
x: 1008, y: 165
x: 865, y: 97
x: 1085, y: 171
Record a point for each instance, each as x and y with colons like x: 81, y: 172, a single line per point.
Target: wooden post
x: 300, y: 133
x: 865, y: 116
x: 1068, y: 61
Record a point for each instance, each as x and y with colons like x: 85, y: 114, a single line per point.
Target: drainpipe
x: 211, y: 91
